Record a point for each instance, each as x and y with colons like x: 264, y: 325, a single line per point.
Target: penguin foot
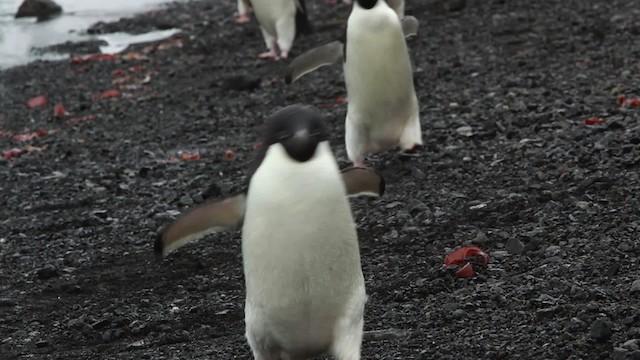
x: 413, y: 149
x: 272, y: 54
x: 241, y: 18
x: 412, y: 152
x: 359, y: 164
x: 284, y: 54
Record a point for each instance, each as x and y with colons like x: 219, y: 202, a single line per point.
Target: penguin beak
x: 301, y: 146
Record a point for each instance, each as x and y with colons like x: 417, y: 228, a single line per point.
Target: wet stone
x: 7, y: 302
x: 47, y: 272
x: 186, y: 200
x: 600, y: 331
x: 619, y: 353
x: 514, y: 246
x: 633, y: 344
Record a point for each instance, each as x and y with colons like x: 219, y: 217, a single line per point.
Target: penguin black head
x: 367, y: 4
x: 298, y: 128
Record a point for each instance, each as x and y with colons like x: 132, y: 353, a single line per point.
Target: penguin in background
x: 383, y: 109
x: 305, y: 291
x: 242, y: 16
x: 280, y: 22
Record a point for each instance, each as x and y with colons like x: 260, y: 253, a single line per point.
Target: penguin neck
x: 367, y: 4
x: 279, y: 171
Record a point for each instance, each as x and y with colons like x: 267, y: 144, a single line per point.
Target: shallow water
x: 19, y: 36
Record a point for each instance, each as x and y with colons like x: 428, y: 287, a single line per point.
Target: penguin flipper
x: 200, y: 221
x: 363, y: 182
x: 409, y: 26
x: 317, y: 57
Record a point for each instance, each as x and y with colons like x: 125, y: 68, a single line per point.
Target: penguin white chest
x: 377, y: 69
x: 300, y: 252
x: 269, y: 12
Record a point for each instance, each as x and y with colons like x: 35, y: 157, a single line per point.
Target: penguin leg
x: 270, y: 42
x: 355, y: 142
x: 411, y: 138
x: 286, y: 30
x: 259, y: 347
x: 348, y: 335
x: 266, y: 356
x: 242, y: 16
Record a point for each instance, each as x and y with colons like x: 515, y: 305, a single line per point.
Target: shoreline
x: 30, y: 40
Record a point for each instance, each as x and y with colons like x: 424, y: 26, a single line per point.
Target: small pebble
x: 480, y: 238
x: 619, y: 353
x: 635, y: 287
x: 465, y: 131
x: 106, y: 336
x: 416, y: 207
x: 600, y: 331
x: 553, y: 250
x: 6, y: 302
x: 514, y: 246
x: 629, y: 320
x: 458, y: 313
x: 186, y: 200
x: 388, y: 334
x: 47, y: 272
x: 631, y: 345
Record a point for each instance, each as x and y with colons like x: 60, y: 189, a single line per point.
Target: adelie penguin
x: 280, y: 22
x: 305, y: 292
x: 382, y: 111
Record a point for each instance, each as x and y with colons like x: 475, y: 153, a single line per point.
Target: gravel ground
x: 511, y: 165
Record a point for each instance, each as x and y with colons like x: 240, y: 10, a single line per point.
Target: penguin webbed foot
x: 359, y: 164
x: 412, y: 152
x: 241, y: 18
x: 271, y: 54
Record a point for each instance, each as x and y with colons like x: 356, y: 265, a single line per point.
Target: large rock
x: 41, y: 9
